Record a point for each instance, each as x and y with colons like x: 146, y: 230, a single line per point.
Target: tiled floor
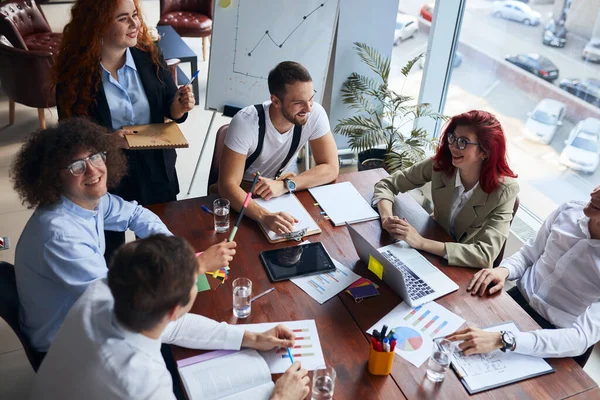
x: 15, y: 373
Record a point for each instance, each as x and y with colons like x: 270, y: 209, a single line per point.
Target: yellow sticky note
x: 375, y: 267
x: 224, y: 3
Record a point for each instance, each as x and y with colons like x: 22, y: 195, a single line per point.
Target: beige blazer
x: 481, y: 227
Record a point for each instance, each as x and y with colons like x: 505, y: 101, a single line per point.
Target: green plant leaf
x: 406, y: 69
x: 378, y: 64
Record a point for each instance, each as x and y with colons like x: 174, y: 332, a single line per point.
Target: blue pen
x: 208, y: 210
x: 193, y: 78
x: 290, y: 355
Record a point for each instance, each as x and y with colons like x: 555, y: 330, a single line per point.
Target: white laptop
x: 405, y: 270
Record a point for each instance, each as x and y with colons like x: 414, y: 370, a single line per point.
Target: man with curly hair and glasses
x: 64, y: 173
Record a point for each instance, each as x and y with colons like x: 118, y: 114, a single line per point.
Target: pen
x: 208, y: 210
x: 290, y: 355
x: 193, y: 78
x: 258, y: 296
x: 239, y: 219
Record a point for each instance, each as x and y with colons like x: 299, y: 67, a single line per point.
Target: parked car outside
x: 586, y: 89
x: 427, y: 11
x: 456, y: 60
x: 591, y: 51
x: 582, y: 150
x: 406, y: 26
x: 544, y: 120
x: 555, y: 33
x: 516, y: 11
x: 535, y: 64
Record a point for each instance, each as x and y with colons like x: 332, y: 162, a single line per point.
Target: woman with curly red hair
x: 472, y: 187
x: 109, y: 69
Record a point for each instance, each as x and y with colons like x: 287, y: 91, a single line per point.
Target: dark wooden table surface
x: 341, y: 322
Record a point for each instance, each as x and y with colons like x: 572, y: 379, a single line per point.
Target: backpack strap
x: 293, y: 149
x: 261, y: 136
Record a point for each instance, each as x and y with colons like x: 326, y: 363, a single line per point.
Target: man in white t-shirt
x: 291, y: 119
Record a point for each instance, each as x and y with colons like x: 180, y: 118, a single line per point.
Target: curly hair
x: 77, y: 68
x: 35, y: 170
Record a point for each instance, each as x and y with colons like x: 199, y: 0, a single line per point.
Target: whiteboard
x: 250, y: 37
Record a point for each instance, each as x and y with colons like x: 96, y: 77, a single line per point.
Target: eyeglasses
x: 78, y: 167
x: 461, y: 142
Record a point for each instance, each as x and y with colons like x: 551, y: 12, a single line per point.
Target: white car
x: 591, y: 51
x: 516, y: 11
x: 406, y: 26
x: 544, y: 120
x: 582, y: 150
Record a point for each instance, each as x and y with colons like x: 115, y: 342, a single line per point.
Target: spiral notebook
x: 156, y: 136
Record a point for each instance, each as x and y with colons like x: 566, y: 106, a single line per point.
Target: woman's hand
x: 183, y: 102
x: 119, y: 137
x: 401, y: 229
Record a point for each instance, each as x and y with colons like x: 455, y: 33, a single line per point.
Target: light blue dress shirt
x: 61, y: 252
x: 126, y: 98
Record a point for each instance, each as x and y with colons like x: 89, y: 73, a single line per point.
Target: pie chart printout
x: 408, y: 339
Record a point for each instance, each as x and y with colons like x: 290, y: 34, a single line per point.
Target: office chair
x: 213, y: 176
x: 498, y: 259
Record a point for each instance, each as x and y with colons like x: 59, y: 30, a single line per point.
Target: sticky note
x: 202, y: 283
x: 375, y: 267
x: 224, y: 3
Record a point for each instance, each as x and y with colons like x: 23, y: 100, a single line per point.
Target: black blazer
x: 151, y: 177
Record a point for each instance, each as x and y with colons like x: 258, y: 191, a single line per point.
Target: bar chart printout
x: 323, y: 287
x: 415, y: 328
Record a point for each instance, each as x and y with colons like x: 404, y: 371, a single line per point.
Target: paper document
x: 323, y: 287
x: 342, y: 203
x: 307, y: 348
x: 481, y: 372
x: 290, y: 204
x: 243, y: 374
x: 416, y: 327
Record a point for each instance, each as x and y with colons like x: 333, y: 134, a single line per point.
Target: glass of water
x: 221, y: 213
x: 323, y: 383
x: 440, y: 359
x: 242, y: 291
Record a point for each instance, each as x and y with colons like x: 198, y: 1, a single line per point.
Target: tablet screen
x: 293, y: 261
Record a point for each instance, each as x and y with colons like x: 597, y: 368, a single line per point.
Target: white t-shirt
x: 242, y: 137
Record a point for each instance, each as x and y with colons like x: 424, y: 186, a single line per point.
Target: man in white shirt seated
x: 266, y: 137
x: 109, y: 344
x: 558, y: 285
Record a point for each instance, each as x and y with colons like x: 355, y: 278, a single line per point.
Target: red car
x: 427, y: 12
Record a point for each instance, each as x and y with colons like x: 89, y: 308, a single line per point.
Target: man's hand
x: 482, y: 279
x: 119, y: 137
x: 401, y: 229
x: 476, y: 341
x: 269, y: 188
x: 280, y: 336
x: 279, y: 222
x: 293, y: 385
x: 216, y: 256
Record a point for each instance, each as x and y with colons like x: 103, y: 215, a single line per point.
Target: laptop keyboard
x: 416, y: 287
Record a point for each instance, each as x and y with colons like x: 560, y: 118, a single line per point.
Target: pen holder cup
x: 380, y: 362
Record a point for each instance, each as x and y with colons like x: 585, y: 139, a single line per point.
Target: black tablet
x: 293, y: 261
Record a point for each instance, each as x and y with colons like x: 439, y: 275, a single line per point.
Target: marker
x: 208, y: 210
x: 239, y: 219
x: 258, y: 296
x: 290, y: 355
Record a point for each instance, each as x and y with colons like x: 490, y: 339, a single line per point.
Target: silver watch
x: 508, y: 341
x: 290, y: 185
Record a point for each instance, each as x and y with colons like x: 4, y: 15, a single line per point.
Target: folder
x: 156, y: 136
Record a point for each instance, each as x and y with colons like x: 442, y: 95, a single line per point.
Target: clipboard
x: 156, y: 136
x: 290, y: 204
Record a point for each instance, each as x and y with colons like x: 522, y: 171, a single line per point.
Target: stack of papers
x: 323, y: 287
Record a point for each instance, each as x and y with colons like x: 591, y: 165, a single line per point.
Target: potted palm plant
x: 383, y: 130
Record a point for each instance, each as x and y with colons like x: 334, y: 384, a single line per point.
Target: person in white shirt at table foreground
x: 558, y: 277
x: 109, y: 344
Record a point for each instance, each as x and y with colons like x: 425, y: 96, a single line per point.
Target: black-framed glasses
x: 461, y: 142
x: 78, y: 167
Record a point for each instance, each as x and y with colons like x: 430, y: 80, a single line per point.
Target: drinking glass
x: 221, y: 213
x: 323, y: 383
x: 440, y: 359
x: 242, y: 292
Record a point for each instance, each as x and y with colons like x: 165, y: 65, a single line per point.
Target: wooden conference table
x: 341, y: 322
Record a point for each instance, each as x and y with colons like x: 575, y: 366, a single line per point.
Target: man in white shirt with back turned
x: 266, y: 137
x: 558, y: 284
x: 109, y: 345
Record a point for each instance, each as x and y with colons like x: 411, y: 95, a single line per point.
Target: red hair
x: 491, y: 141
x: 77, y: 70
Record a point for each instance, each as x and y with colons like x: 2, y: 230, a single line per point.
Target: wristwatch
x: 289, y: 184
x: 508, y: 341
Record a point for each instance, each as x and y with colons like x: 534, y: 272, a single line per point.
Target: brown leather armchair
x: 189, y: 18
x: 24, y: 24
x: 25, y: 78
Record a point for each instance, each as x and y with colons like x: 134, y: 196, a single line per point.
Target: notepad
x: 342, y: 203
x: 156, y: 136
x: 290, y: 204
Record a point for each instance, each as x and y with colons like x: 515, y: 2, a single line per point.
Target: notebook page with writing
x: 156, y: 136
x: 290, y: 204
x: 342, y: 203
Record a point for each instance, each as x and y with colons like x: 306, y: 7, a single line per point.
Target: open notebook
x: 342, y: 203
x: 290, y: 204
x: 156, y: 136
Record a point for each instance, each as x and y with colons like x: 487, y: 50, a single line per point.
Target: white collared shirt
x: 559, y: 275
x: 93, y: 357
x: 460, y: 197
